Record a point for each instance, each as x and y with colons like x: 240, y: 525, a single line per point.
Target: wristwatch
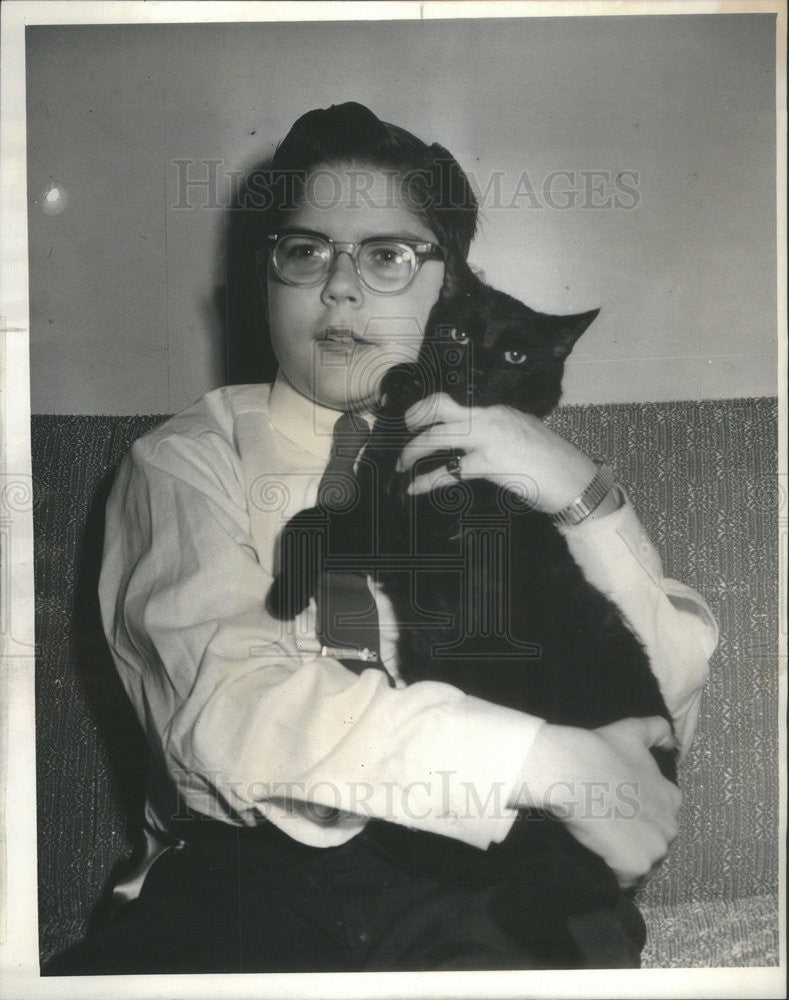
x: 588, y: 501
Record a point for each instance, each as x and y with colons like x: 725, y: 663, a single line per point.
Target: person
x: 270, y: 756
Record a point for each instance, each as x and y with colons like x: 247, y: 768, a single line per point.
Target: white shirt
x: 249, y: 727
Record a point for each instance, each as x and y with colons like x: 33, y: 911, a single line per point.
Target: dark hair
x: 431, y: 180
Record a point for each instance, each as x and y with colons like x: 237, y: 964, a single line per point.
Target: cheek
x: 400, y: 322
x: 418, y: 300
x: 400, y: 335
x: 433, y: 274
x: 289, y: 306
x: 281, y: 309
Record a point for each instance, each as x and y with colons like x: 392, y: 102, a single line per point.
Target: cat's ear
x: 569, y: 330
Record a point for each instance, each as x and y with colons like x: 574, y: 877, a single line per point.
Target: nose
x: 342, y: 286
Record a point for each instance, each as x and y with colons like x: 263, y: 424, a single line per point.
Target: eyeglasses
x: 384, y: 264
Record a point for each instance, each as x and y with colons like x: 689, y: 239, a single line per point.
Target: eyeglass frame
x: 422, y: 249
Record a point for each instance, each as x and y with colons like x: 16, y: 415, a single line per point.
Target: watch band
x: 588, y: 501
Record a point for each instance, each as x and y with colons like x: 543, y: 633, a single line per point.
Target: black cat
x: 488, y: 598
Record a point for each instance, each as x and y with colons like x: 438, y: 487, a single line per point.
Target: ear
x: 568, y: 329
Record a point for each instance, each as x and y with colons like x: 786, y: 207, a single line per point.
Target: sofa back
x: 703, y: 479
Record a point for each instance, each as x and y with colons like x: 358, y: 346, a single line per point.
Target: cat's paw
x: 401, y: 387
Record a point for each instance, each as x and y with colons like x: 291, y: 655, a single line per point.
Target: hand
x: 605, y: 785
x: 498, y: 443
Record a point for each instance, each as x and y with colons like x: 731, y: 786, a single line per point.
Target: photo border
x: 18, y: 906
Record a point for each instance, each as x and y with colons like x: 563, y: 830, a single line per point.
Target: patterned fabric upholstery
x: 703, y: 478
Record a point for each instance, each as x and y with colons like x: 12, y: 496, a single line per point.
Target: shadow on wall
x: 237, y: 304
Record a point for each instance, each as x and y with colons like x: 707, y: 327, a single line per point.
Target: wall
x: 129, y: 293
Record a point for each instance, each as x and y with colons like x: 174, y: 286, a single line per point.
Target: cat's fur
x: 520, y: 626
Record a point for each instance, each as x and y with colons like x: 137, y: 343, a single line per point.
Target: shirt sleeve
x: 246, y: 726
x: 674, y: 622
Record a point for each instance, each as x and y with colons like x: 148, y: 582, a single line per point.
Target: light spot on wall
x: 54, y: 200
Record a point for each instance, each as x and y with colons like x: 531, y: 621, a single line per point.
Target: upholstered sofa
x: 703, y: 478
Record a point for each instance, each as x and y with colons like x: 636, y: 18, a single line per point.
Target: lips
x: 345, y: 336
x: 338, y: 333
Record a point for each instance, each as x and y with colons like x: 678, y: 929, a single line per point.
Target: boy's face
x: 334, y: 341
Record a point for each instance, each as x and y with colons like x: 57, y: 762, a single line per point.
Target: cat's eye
x: 458, y: 336
x: 515, y: 357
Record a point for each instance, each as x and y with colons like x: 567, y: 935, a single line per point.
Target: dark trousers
x: 253, y: 900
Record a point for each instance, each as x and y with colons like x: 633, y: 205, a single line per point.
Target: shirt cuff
x: 451, y: 771
x: 470, y: 802
x: 589, y: 543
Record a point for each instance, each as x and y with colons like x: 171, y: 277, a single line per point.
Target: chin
x: 345, y: 398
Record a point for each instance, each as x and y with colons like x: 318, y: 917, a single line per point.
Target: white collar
x: 302, y: 420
